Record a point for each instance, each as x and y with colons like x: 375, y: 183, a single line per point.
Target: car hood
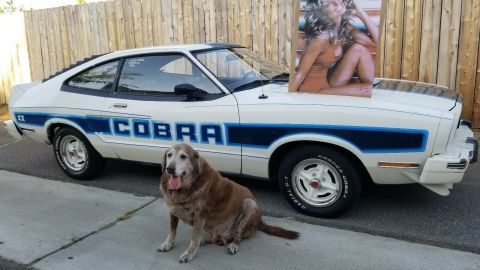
x: 415, y: 94
x: 398, y: 95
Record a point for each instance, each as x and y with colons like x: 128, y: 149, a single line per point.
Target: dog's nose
x: 171, y: 170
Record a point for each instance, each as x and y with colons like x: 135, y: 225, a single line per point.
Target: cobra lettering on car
x: 144, y: 128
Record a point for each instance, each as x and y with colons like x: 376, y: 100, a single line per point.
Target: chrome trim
x: 458, y: 166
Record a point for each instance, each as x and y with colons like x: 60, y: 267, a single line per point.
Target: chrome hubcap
x: 73, y: 153
x: 316, y: 182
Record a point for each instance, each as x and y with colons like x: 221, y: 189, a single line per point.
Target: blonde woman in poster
x: 335, y: 50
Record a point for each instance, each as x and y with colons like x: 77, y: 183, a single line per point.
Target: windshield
x: 240, y: 68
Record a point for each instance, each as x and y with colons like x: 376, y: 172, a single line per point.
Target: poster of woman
x: 336, y: 47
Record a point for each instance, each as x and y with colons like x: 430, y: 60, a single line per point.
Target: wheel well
x: 53, y: 128
x: 280, y: 152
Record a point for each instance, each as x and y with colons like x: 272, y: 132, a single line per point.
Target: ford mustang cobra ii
x: 235, y: 109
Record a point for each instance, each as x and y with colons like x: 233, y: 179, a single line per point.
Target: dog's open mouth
x: 175, y: 182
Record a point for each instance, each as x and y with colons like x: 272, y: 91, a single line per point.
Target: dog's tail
x: 277, y: 231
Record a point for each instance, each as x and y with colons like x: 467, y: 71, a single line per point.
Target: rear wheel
x: 76, y: 156
x: 319, y: 181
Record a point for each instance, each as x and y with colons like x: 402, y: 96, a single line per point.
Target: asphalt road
x: 408, y: 212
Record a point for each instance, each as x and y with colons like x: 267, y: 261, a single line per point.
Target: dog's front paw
x: 232, y: 248
x: 186, y: 257
x: 166, y: 246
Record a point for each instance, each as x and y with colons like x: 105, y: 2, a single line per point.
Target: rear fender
x: 97, y: 143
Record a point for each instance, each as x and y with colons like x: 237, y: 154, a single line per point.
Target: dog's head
x: 181, y: 165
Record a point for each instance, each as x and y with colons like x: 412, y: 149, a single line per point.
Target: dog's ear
x: 164, y: 162
x: 198, y: 162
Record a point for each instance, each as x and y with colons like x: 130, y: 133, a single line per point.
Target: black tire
x: 337, y: 164
x: 93, y: 163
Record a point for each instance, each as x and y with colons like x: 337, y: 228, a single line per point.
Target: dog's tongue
x: 174, y: 183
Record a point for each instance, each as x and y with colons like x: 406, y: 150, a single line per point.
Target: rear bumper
x: 13, y: 130
x: 449, y: 168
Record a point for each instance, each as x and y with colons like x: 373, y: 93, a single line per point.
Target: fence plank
x: 430, y: 41
x: 187, y: 8
x: 411, y: 39
x: 138, y: 23
x: 380, y: 56
x: 394, y: 41
x: 275, y: 32
x: 268, y: 30
x: 449, y: 35
x: 120, y: 25
x: 111, y: 29
x: 34, y: 50
x: 289, y: 19
x: 72, y: 33
x: 476, y: 104
x: 467, y: 63
x: 127, y: 6
x: 94, y: 28
x: 43, y: 41
x: 167, y: 22
x: 87, y: 34
x: 157, y: 23
x: 177, y: 20
x: 282, y: 38
x: 102, y: 27
x: 147, y: 23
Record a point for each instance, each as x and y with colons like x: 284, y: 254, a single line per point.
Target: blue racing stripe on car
x: 89, y: 124
x: 366, y: 139
x: 262, y: 136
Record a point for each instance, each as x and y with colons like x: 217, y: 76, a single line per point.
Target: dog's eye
x: 183, y: 156
x: 169, y: 155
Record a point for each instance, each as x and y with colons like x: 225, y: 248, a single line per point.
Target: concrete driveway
x: 55, y: 225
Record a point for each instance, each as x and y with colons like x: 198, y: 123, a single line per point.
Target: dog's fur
x: 219, y: 209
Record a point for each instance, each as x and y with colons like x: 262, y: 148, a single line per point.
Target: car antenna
x: 263, y: 96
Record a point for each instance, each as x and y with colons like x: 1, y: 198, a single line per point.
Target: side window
x: 159, y: 74
x: 98, y: 78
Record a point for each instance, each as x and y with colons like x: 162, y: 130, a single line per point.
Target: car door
x: 148, y: 117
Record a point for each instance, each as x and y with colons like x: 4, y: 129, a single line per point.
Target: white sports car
x: 235, y: 109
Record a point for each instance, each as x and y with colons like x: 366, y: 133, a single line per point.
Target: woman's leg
x: 358, y: 58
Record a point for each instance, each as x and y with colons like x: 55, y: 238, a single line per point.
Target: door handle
x: 120, y: 105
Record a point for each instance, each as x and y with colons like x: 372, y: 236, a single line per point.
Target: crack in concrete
x: 123, y: 217
x: 8, y: 144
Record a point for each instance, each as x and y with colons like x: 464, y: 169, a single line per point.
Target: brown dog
x: 219, y: 210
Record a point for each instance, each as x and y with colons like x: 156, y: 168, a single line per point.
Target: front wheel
x: 319, y: 181
x: 75, y: 155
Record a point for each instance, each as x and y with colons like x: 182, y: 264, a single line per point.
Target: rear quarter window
x: 98, y: 78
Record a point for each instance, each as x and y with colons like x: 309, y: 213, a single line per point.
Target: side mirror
x: 188, y: 90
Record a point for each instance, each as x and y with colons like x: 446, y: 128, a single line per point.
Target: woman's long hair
x: 316, y: 23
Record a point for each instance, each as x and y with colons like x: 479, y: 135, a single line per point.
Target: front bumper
x: 13, y: 130
x: 440, y: 172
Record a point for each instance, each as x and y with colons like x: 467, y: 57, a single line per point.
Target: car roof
x: 168, y: 48
x: 178, y: 47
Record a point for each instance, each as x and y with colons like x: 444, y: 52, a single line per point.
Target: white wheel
x: 316, y: 182
x: 319, y: 181
x: 75, y: 155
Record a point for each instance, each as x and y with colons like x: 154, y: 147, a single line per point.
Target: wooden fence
x: 434, y: 41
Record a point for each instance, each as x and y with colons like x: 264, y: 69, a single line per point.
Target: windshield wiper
x: 252, y: 84
x: 259, y: 82
x: 283, y: 77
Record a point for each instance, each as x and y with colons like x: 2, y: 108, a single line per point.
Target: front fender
x: 314, y: 137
